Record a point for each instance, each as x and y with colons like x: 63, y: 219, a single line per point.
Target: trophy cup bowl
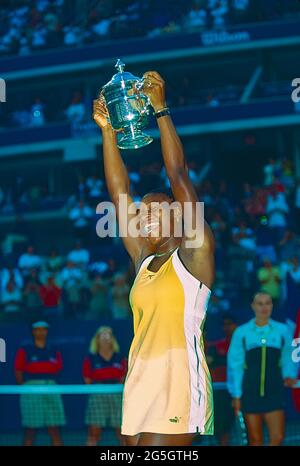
x: 128, y: 108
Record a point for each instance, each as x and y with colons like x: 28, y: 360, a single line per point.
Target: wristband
x: 163, y: 112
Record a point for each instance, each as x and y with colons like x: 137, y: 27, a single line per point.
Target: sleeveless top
x: 168, y: 385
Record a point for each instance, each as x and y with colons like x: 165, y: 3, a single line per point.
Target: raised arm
x: 197, y: 247
x: 116, y: 176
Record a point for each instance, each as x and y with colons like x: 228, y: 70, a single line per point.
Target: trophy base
x: 134, y: 140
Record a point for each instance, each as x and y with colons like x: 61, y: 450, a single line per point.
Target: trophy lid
x: 121, y: 77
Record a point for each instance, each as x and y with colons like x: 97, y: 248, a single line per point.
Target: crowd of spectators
x: 38, y: 109
x: 36, y: 25
x: 74, y: 107
x: 55, y: 287
x: 40, y: 112
x: 40, y: 24
x: 257, y: 247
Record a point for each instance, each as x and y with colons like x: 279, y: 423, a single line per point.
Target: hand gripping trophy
x: 128, y: 108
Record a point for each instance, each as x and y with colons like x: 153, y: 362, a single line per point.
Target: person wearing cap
x: 104, y: 365
x: 39, y: 364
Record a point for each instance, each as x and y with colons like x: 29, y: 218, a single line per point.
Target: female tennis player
x: 260, y: 364
x: 167, y: 395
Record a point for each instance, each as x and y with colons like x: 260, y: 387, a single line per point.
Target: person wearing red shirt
x: 50, y: 294
x: 104, y: 365
x: 39, y: 364
x: 217, y: 361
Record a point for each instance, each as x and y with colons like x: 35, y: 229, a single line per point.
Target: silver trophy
x: 128, y: 107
